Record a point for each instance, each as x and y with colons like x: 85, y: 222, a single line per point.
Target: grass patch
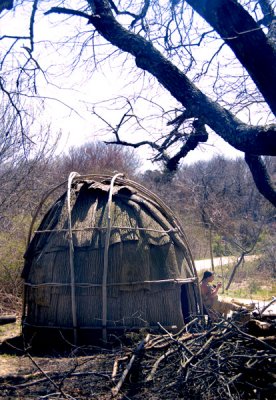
x: 245, y: 293
x: 250, y: 281
x: 10, y: 330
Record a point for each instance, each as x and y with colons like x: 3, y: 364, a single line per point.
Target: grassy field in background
x: 250, y: 281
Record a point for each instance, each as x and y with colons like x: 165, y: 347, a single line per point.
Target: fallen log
x: 260, y: 328
x: 137, y: 351
x: 7, y: 319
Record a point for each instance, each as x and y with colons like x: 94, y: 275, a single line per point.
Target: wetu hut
x: 109, y: 254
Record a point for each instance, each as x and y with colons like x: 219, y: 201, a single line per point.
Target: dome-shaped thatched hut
x: 108, y: 255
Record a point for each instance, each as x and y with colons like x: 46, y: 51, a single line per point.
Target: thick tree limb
x: 261, y: 177
x: 246, y: 39
x: 252, y: 139
x: 246, y: 138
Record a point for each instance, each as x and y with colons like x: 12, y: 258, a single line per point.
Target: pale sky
x: 78, y: 126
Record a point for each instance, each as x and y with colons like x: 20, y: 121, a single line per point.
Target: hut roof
x: 136, y: 213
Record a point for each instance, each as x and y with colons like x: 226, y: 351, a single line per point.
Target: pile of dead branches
x: 227, y: 360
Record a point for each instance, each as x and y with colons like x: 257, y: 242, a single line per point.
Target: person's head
x: 208, y: 276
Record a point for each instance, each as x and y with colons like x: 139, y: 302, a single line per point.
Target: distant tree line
x: 217, y: 202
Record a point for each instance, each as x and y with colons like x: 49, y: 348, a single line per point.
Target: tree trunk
x: 211, y: 248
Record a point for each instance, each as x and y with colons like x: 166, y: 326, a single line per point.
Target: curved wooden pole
x: 71, y: 256
x: 106, y: 251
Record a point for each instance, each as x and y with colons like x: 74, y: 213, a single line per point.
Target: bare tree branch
x: 268, y: 12
x: 67, y: 11
x: 229, y: 22
x: 243, y: 35
x: 254, y: 140
x: 200, y: 135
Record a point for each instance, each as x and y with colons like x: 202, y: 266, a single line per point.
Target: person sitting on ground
x: 211, y: 302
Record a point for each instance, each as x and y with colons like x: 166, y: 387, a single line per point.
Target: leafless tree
x: 215, y: 58
x: 218, y: 203
x: 23, y: 166
x: 97, y: 157
x: 21, y: 162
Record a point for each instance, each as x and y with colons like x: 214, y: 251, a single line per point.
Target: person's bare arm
x: 215, y: 290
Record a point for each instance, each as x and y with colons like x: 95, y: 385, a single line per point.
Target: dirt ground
x: 81, y: 373
x: 86, y: 372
